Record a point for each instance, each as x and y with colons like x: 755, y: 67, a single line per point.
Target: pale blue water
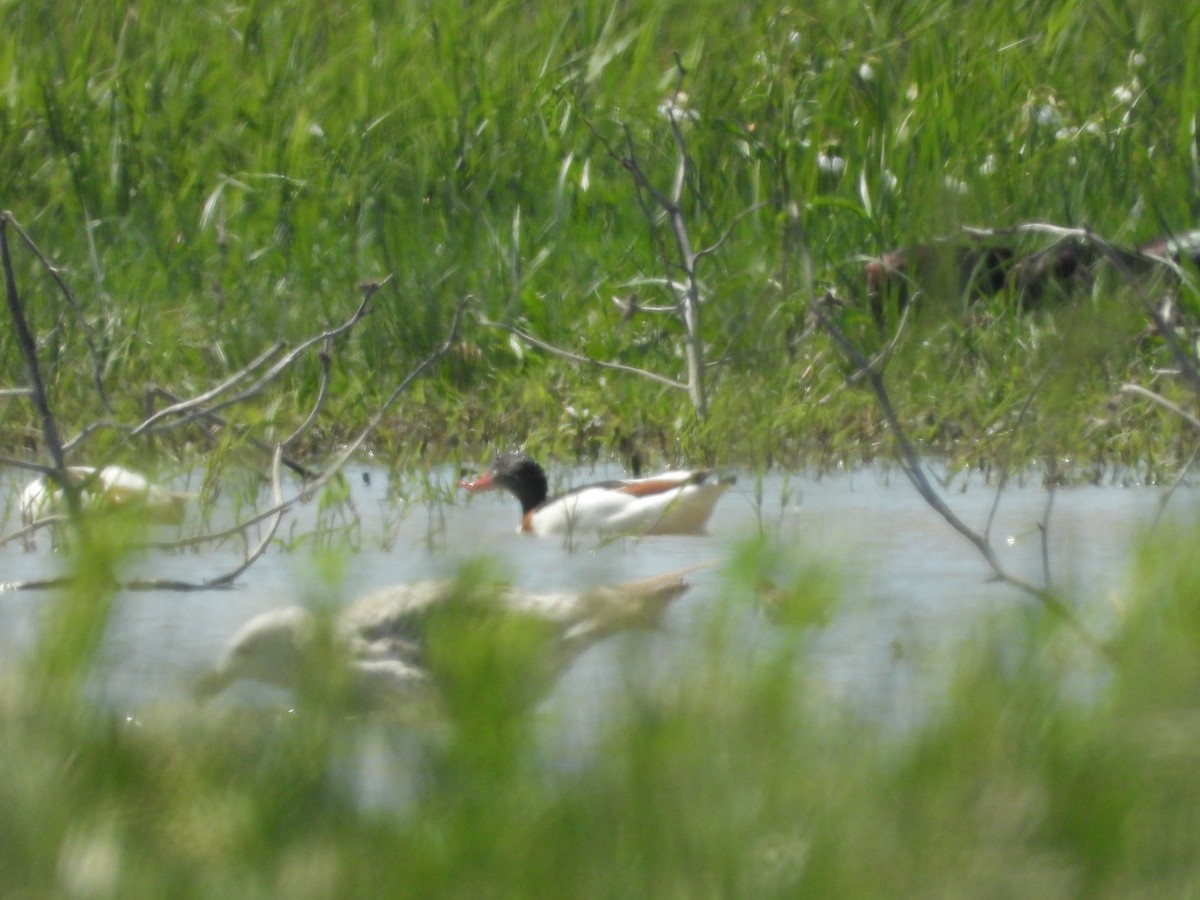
x: 913, y: 586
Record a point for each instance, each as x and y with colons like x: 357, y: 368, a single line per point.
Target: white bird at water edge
x: 112, y: 487
x: 383, y: 637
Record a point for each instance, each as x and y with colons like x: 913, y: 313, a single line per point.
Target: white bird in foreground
x: 113, y: 487
x: 383, y: 637
x: 677, y: 502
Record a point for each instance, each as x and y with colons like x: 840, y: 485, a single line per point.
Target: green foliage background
x: 214, y: 176
x: 211, y: 177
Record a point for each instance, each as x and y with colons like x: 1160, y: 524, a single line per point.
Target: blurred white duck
x: 111, y: 487
x: 677, y: 502
x: 382, y: 636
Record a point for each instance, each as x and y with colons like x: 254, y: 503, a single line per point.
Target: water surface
x: 913, y: 585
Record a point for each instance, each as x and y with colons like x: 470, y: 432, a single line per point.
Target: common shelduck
x: 382, y: 637
x: 668, y: 503
x: 109, y: 488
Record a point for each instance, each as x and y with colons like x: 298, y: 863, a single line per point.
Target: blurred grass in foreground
x: 734, y: 776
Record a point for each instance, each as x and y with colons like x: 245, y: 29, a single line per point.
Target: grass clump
x: 730, y: 772
x: 214, y: 178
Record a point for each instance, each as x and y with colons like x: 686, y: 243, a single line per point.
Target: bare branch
x: 1183, y: 359
x: 578, y: 359
x: 34, y: 527
x: 88, y: 430
x: 56, y: 276
x: 280, y: 505
x: 1160, y: 400
x: 416, y: 373
x: 1025, y: 407
x: 724, y: 236
x: 322, y: 393
x: 1044, y: 526
x: 911, y: 464
x: 28, y: 466
x: 684, y: 258
x: 220, y: 421
x: 333, y: 468
x: 1174, y: 486
x: 878, y: 362
x: 230, y: 382
x: 277, y: 495
x: 189, y: 407
x: 28, y: 345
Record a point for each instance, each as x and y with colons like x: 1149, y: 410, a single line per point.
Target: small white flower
x: 675, y: 107
x: 1136, y: 59
x: 956, y: 185
x: 1123, y: 93
x: 830, y: 164
x: 866, y: 72
x: 1046, y: 114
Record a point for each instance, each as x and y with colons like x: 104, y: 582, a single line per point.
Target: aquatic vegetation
x: 201, y: 204
x: 200, y: 183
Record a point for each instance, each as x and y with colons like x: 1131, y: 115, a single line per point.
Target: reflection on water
x: 913, y: 585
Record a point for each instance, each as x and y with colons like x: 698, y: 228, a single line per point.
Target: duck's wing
x: 684, y: 511
x: 665, y: 506
x: 395, y: 612
x: 590, y: 509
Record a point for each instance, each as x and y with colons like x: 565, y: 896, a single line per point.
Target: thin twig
x: 1187, y: 365
x: 1162, y: 401
x: 724, y: 236
x: 56, y: 276
x: 911, y: 464
x: 581, y: 360
x: 685, y: 257
x: 189, y: 407
x: 39, y: 468
x: 322, y: 393
x: 332, y: 470
x: 1170, y: 491
x: 425, y: 364
x: 28, y: 347
x: 1025, y: 407
x: 88, y: 430
x: 277, y: 495
x: 279, y: 506
x: 232, y: 381
x: 1044, y: 526
x: 33, y: 527
x: 291, y: 462
x: 879, y: 361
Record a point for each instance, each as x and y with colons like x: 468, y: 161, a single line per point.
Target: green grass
x: 211, y: 178
x: 1038, y: 767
